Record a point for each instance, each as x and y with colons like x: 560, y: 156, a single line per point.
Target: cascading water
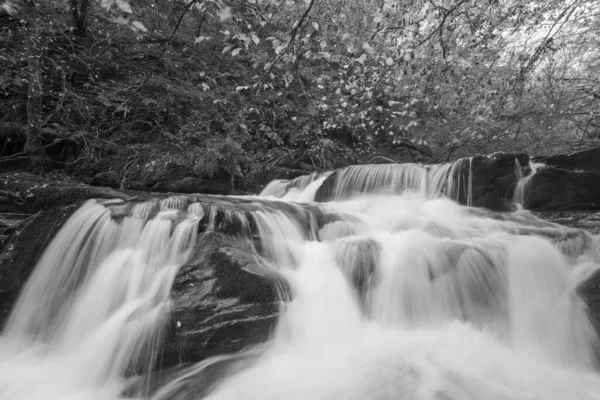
x: 453, y: 180
x: 406, y: 296
x: 523, y: 188
x: 302, y: 188
x: 95, y: 306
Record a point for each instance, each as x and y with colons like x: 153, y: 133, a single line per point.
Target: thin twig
x: 253, y: 8
x: 23, y: 154
x: 441, y: 25
x: 163, y: 51
x: 292, y: 35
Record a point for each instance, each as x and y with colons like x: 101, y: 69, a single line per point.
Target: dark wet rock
x: 10, y: 201
x: 494, y: 180
x: 109, y: 179
x: 193, y: 185
x: 223, y: 301
x: 177, y: 174
x: 587, y: 160
x: 153, y: 168
x: 51, y: 196
x: 29, y: 193
x: 560, y: 189
x: 567, y: 182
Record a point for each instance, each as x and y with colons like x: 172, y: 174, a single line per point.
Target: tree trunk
x: 79, y: 14
x: 38, y: 159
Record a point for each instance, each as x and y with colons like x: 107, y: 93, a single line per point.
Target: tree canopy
x: 230, y: 85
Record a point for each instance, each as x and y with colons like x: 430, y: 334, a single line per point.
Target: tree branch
x: 377, y: 29
x: 253, y: 8
x: 548, y: 39
x: 187, y: 8
x: 293, y: 34
x: 441, y: 25
x: 23, y: 154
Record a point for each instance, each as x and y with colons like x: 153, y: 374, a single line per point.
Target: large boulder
x: 108, y: 178
x: 193, y: 185
x: 567, y: 182
x: 222, y: 302
x: 494, y: 179
x: 555, y: 188
x: 588, y: 160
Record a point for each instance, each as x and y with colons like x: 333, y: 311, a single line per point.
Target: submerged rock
x: 358, y: 259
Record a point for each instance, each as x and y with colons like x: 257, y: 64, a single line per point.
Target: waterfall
x: 394, y: 291
x: 96, y: 304
x: 453, y: 180
x: 523, y: 188
x: 302, y: 188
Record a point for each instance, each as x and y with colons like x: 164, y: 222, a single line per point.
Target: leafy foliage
x: 230, y: 86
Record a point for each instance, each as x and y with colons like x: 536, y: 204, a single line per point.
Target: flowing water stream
x: 525, y: 176
x: 404, y: 295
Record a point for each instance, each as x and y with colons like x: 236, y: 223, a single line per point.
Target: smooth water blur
x: 525, y: 176
x: 453, y: 180
x: 94, y: 309
x: 404, y: 296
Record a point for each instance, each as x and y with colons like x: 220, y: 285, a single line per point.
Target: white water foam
x: 409, y: 297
